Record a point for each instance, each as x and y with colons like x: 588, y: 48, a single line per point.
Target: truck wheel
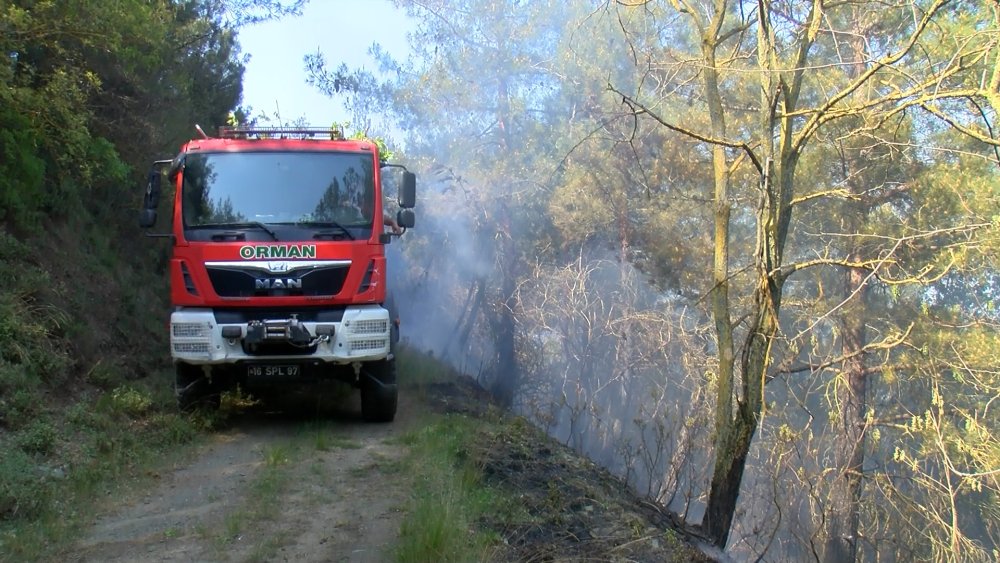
x: 194, y: 390
x: 378, y: 391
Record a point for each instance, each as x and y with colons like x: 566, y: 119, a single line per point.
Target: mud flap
x: 378, y: 399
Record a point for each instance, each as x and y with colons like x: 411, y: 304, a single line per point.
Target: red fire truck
x: 278, y: 272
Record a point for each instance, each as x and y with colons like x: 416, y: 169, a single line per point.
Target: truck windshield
x: 307, y: 189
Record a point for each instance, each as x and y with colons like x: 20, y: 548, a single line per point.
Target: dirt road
x: 271, y: 487
x: 328, y: 487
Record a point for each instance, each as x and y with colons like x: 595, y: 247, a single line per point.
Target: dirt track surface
x: 272, y: 487
x: 329, y: 487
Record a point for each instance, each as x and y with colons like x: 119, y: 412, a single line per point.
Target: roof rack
x: 253, y: 132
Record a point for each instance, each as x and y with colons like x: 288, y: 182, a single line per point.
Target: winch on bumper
x: 362, y: 334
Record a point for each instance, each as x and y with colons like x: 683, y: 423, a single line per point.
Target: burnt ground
x: 579, y: 511
x: 280, y: 488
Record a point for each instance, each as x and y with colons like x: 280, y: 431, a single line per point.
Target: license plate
x: 273, y: 371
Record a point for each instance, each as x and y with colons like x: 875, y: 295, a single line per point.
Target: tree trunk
x: 730, y: 439
x: 733, y: 443
x: 465, y: 324
x: 852, y: 385
x: 731, y: 458
x: 507, y: 378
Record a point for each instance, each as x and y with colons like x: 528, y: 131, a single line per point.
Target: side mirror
x: 150, y: 200
x: 408, y: 191
x: 405, y: 218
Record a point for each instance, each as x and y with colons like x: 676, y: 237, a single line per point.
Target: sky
x: 343, y: 30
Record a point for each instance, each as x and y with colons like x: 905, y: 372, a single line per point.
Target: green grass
x: 276, y: 456
x: 448, y: 496
x: 449, y: 502
x: 324, y: 436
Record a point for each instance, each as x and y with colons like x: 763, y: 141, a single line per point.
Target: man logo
x: 278, y: 283
x: 277, y: 267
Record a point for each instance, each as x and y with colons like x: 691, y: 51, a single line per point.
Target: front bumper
x: 363, y: 334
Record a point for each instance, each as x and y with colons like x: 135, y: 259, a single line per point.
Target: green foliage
x: 448, y: 498
x: 18, y: 406
x: 130, y: 401
x: 104, y: 375
x: 23, y: 492
x: 38, y: 438
x: 21, y: 170
x: 54, y: 466
x: 385, y: 154
x: 29, y: 331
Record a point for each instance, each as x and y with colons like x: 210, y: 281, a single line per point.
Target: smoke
x: 610, y: 365
x: 433, y: 274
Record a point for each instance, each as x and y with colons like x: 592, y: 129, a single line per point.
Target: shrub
x: 22, y: 488
x: 39, y: 438
x: 130, y: 401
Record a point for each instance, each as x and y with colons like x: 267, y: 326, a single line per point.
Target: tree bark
x: 731, y: 440
x: 843, y: 518
x: 852, y: 388
x: 852, y: 384
x: 507, y: 378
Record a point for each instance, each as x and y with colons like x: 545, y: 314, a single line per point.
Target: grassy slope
x: 85, y: 400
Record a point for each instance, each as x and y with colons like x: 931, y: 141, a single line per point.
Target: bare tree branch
x: 639, y: 109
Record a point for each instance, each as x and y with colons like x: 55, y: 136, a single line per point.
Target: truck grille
x: 252, y: 282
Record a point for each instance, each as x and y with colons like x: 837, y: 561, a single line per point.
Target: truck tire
x: 379, y: 393
x: 194, y: 390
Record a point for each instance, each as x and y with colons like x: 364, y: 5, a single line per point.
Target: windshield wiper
x: 242, y: 225
x: 338, y: 229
